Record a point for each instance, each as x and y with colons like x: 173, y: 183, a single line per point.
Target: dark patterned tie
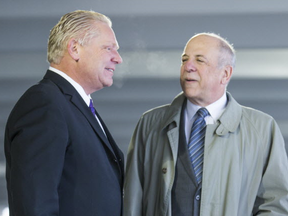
x: 196, y: 143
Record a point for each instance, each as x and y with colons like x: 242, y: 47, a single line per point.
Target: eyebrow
x: 114, y: 45
x: 197, y: 56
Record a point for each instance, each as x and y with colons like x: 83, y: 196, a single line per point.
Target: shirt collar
x: 78, y: 87
x: 215, y: 109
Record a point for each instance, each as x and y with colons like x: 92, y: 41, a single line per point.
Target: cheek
x: 214, y: 84
x: 182, y: 71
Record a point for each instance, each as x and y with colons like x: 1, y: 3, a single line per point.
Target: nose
x: 117, y: 58
x: 189, y: 66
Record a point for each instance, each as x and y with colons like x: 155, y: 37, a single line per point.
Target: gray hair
x: 80, y: 25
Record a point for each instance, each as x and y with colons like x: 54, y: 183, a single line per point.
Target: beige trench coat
x: 245, y: 164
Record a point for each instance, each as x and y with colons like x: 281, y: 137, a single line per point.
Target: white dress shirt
x: 215, y: 109
x: 78, y: 88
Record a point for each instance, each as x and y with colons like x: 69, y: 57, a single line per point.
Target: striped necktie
x: 196, y: 143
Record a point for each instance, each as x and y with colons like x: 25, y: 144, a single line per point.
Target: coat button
x: 198, y: 197
x: 164, y: 170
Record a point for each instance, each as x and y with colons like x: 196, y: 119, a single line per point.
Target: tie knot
x: 203, y: 112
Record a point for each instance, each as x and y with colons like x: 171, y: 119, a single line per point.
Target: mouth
x: 110, y: 69
x: 190, y: 80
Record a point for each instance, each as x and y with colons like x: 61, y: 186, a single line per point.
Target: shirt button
x: 164, y: 170
x: 198, y: 197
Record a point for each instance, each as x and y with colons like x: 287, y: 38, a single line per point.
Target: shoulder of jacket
x: 261, y: 123
x: 155, y: 114
x: 254, y: 115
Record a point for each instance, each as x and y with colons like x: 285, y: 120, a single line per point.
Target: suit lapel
x: 116, y: 150
x: 78, y: 102
x: 92, y: 120
x: 110, y: 138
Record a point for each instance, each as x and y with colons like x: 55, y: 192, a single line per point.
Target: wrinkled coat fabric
x: 245, y: 164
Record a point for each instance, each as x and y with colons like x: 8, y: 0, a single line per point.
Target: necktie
x: 196, y: 143
x: 91, y: 106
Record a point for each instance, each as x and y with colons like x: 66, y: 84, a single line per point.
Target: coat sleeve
x: 272, y: 196
x: 133, y: 185
x: 35, y: 144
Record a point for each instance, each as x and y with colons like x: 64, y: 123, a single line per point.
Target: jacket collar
x: 228, y: 121
x: 172, y: 115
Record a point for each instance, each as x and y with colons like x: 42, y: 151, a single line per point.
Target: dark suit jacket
x: 186, y: 191
x: 59, y: 162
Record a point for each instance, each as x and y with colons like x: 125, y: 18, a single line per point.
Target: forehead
x: 202, y: 44
x: 106, y: 35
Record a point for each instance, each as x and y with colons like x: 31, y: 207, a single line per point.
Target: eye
x: 199, y: 60
x: 184, y: 59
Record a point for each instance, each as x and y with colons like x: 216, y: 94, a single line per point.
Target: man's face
x: 201, y: 79
x: 98, y: 59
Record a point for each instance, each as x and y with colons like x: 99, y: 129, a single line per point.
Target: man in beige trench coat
x: 244, y: 167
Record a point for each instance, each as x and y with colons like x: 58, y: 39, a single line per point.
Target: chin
x: 190, y: 94
x: 110, y: 83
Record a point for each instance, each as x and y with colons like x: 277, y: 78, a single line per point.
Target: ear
x: 73, y: 49
x: 228, y: 70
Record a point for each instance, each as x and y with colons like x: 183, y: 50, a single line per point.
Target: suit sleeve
x: 36, y: 140
x: 272, y: 196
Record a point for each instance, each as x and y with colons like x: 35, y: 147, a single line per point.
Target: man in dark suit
x: 60, y: 157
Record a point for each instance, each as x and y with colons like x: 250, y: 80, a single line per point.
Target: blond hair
x: 80, y: 25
